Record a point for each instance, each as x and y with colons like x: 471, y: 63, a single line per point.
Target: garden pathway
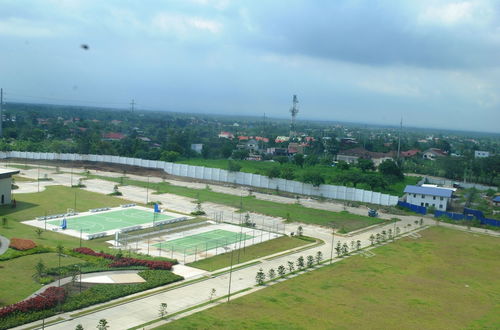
x: 4, y: 244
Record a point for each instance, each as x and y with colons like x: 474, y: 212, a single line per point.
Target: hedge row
x: 105, y: 292
x: 46, y: 300
x: 12, y: 254
x: 126, y: 262
x: 99, y: 293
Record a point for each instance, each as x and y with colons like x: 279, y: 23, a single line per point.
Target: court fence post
x: 195, y: 252
x: 184, y: 255
x: 206, y: 249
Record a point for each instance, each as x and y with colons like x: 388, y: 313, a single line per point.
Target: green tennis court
x: 112, y: 220
x: 203, y: 241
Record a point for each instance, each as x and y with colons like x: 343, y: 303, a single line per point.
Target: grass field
x: 252, y: 252
x: 17, y: 280
x: 294, y: 212
x: 53, y: 200
x: 446, y: 280
x: 203, y: 241
x: 99, y: 222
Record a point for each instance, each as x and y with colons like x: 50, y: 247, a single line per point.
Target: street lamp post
x: 147, y: 192
x: 43, y: 319
x: 331, y: 252
x: 230, y: 276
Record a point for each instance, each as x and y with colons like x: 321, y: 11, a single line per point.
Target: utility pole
x: 132, y: 105
x: 399, y: 137
x: 1, y: 112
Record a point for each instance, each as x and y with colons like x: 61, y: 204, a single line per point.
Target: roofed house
x: 429, y: 196
x: 226, y: 135
x: 434, y: 153
x: 496, y: 200
x: 113, y: 136
x: 352, y: 156
x: 409, y: 153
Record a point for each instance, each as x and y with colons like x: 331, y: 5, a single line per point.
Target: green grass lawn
x: 17, y: 280
x: 445, y: 280
x: 53, y: 200
x: 294, y: 212
x: 249, y: 253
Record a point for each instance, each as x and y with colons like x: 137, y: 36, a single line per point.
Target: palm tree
x: 291, y: 266
x: 372, y: 239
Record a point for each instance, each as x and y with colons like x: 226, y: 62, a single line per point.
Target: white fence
x: 216, y: 174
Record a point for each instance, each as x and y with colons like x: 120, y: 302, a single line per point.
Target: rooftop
x: 440, y: 192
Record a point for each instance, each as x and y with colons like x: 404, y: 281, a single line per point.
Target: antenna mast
x: 294, y: 110
x: 399, y: 137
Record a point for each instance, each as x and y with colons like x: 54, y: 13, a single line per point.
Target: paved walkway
x: 4, y: 244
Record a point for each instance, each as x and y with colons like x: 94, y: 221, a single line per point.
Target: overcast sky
x: 436, y: 63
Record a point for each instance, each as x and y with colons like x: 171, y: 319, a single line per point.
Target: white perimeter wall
x: 216, y: 174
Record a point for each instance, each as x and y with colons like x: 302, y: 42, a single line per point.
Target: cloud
x: 448, y: 14
x: 19, y: 27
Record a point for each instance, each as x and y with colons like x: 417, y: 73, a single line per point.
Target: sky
x: 434, y: 63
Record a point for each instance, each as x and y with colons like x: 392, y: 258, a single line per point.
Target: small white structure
x: 481, y: 154
x: 6, y: 185
x: 197, y: 147
x: 428, y: 196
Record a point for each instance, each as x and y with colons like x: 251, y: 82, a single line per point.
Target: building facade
x: 438, y: 198
x: 6, y: 185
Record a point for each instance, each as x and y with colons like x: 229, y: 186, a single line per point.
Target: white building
x: 428, y: 196
x: 481, y: 154
x: 6, y: 185
x: 197, y: 147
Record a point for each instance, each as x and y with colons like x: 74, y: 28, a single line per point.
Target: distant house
x: 351, y: 156
x: 434, y: 153
x: 277, y: 151
x: 295, y: 148
x: 409, y: 153
x: 280, y: 139
x: 113, y: 136
x: 243, y: 138
x: 197, y: 147
x: 429, y: 196
x: 226, y: 135
x: 144, y: 138
x: 481, y: 154
x: 252, y: 145
x: 496, y: 200
x: 263, y: 139
x: 255, y: 157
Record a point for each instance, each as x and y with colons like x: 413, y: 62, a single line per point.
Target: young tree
x: 300, y: 231
x: 102, y: 325
x: 291, y: 266
x: 319, y: 257
x: 281, y: 270
x: 271, y: 274
x: 338, y: 249
x: 212, y: 294
x: 378, y: 238
x: 310, y: 261
x: 39, y: 232
x: 260, y: 277
x: 421, y: 222
x: 162, y: 311
x: 358, y: 244
x: 372, y: 239
x: 389, y: 233
x: 298, y: 159
x: 353, y: 245
x: 4, y: 222
x: 397, y: 231
x: 300, y: 262
x: 79, y: 327
x: 40, y: 268
x: 383, y: 236
x: 345, y: 249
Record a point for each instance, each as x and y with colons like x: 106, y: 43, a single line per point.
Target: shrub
x: 22, y: 244
x: 12, y: 254
x: 48, y: 299
x: 127, y: 262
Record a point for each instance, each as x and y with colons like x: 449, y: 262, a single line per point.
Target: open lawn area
x: 53, y: 200
x: 249, y: 253
x: 447, y: 279
x: 293, y: 212
x: 17, y: 280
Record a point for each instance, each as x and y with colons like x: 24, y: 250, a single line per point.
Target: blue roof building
x: 428, y: 196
